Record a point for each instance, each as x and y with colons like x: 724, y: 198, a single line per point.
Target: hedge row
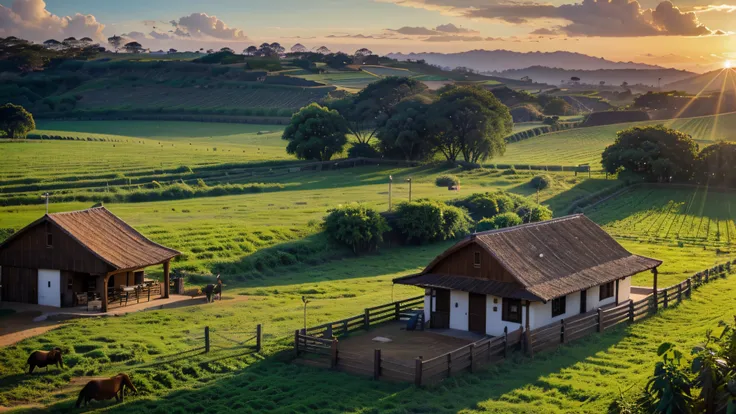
x: 63, y: 138
x: 540, y: 130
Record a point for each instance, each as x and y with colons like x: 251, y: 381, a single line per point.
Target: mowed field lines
x: 585, y: 145
x: 692, y: 215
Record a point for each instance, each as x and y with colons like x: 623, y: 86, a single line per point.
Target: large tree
x: 656, y: 153
x: 15, y: 121
x: 133, y: 47
x: 298, y: 48
x: 115, y: 41
x: 251, y: 50
x: 316, y: 133
x: 716, y: 164
x: 408, y: 133
x: 471, y: 120
x: 324, y: 50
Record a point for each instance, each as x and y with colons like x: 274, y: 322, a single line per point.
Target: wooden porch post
x: 617, y: 280
x: 167, y: 267
x: 654, y: 290
x: 104, y: 291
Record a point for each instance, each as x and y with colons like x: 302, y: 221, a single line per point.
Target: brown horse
x: 105, y: 389
x: 44, y: 359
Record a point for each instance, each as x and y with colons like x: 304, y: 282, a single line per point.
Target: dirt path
x: 19, y: 326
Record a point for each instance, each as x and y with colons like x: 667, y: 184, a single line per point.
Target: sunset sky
x: 692, y: 34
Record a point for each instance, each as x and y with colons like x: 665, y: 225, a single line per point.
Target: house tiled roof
x: 553, y: 258
x: 111, y: 239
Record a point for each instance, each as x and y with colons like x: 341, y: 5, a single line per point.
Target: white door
x: 49, y: 287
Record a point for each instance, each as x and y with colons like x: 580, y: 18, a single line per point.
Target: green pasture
x: 585, y: 145
x: 583, y: 377
x: 352, y: 81
x: 384, y: 71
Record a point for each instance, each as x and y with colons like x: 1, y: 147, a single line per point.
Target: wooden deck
x: 405, y: 345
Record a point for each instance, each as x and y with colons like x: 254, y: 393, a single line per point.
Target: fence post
x: 666, y: 299
x: 418, y: 372
x: 472, y: 361
x: 631, y: 311
x: 328, y: 332
x: 563, y: 337
x: 689, y: 288
x: 367, y: 319
x: 600, y: 320
x: 376, y: 364
x: 206, y: 339
x: 296, y: 342
x: 259, y: 337
x: 707, y: 275
x: 505, y: 343
x: 528, y: 342
x: 679, y: 292
x: 397, y: 315
x: 449, y: 364
x: 333, y: 354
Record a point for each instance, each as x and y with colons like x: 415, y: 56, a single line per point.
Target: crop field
x: 697, y: 223
x: 384, y: 71
x: 585, y: 145
x: 144, y: 97
x: 352, y: 81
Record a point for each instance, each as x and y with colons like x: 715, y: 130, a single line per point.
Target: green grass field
x: 585, y: 145
x: 352, y: 81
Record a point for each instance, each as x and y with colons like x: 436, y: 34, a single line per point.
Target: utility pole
x: 47, y: 202
x: 390, y: 181
x: 409, y: 180
x: 305, y: 301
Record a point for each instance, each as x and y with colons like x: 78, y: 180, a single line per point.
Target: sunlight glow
x: 727, y: 64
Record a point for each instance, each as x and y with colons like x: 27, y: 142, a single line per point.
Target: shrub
x: 363, y: 150
x: 541, y: 182
x: 356, y: 226
x: 428, y: 221
x: 484, y: 205
x: 447, y: 180
x: 500, y: 221
x: 532, y: 213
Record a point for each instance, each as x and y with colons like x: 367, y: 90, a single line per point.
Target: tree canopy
x: 716, y: 164
x: 316, y: 133
x: 470, y: 121
x: 656, y: 153
x: 15, y: 121
x: 558, y: 106
x: 408, y: 134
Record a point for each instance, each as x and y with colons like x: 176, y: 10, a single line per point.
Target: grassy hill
x: 708, y: 82
x: 585, y: 145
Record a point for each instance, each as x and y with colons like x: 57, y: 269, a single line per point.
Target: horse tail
x: 81, y: 395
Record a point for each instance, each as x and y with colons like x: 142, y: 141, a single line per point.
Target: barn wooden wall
x: 461, y: 263
x: 19, y: 284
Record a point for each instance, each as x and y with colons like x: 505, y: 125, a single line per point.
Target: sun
x: 727, y: 64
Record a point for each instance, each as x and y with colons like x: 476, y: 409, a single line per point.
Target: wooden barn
x: 527, y: 276
x: 67, y: 259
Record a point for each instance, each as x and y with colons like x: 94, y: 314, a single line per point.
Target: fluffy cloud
x: 203, y: 25
x: 606, y: 18
x: 545, y: 32
x: 30, y: 20
x: 415, y: 31
x: 442, y: 33
x: 451, y: 28
x: 452, y: 38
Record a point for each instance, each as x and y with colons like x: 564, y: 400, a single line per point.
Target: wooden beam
x: 655, y: 272
x: 167, y: 279
x: 617, y: 280
x: 527, y: 314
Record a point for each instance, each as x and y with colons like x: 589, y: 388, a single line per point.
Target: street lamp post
x: 390, y: 181
x: 409, y: 181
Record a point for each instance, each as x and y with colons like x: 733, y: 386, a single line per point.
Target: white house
x: 529, y: 275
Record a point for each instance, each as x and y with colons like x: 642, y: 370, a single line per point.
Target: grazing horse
x: 105, y: 389
x: 44, y: 359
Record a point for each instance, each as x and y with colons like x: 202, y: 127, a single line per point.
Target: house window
x: 49, y: 240
x: 606, y: 291
x: 476, y: 260
x: 511, y: 310
x: 558, y: 306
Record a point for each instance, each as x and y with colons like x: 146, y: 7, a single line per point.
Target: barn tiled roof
x: 111, y: 239
x: 554, y: 258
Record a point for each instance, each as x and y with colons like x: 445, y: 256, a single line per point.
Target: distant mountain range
x: 555, y: 76
x: 501, y: 60
x: 707, y: 82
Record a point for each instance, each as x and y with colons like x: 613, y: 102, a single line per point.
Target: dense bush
x: 356, y: 226
x: 655, y: 153
x: 558, y: 106
x: 500, y: 221
x: 526, y: 113
x: 363, y: 150
x: 15, y: 121
x: 541, y: 182
x: 488, y: 205
x: 716, y: 164
x: 447, y: 180
x: 428, y: 221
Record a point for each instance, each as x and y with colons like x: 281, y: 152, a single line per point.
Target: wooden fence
x: 227, y: 340
x: 602, y: 319
x: 321, y: 340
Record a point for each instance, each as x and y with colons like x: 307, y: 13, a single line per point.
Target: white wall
x: 540, y: 314
x: 624, y: 290
x: 459, y: 313
x: 428, y: 306
x: 494, y: 322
